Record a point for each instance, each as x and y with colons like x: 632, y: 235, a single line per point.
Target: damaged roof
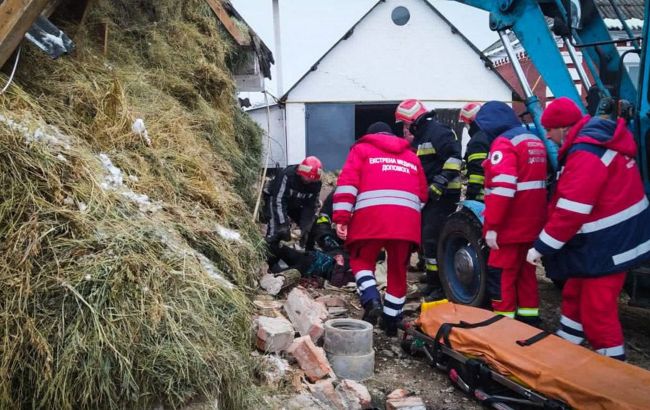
x: 242, y: 33
x: 17, y: 16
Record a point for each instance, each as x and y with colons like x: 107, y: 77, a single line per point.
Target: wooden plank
x: 16, y: 17
x: 243, y: 39
x: 51, y: 7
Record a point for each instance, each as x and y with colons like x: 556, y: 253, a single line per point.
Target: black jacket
x: 288, y: 197
x: 478, y: 149
x: 439, y: 150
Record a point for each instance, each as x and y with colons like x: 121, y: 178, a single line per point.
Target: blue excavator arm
x: 529, y: 21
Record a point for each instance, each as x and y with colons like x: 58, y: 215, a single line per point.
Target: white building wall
x: 296, y: 141
x: 385, y: 62
x: 277, y: 141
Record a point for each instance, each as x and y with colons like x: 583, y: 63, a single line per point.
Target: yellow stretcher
x: 507, y: 364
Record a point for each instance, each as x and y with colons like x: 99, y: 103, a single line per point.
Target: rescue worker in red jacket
x: 377, y: 205
x: 439, y: 151
x: 515, y: 209
x: 598, y: 225
x: 477, y: 151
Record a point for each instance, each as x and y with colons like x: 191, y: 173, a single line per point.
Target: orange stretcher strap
x: 545, y: 363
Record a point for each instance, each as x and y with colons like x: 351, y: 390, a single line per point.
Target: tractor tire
x: 462, y: 259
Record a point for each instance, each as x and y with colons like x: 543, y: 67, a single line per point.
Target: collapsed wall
x: 126, y: 239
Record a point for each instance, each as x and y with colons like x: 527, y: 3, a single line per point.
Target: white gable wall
x: 385, y: 62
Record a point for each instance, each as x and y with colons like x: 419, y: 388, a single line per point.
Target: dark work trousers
x: 434, y: 216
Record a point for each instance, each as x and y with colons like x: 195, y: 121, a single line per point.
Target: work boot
x: 389, y: 325
x: 432, y: 290
x: 434, y: 294
x: 372, y: 311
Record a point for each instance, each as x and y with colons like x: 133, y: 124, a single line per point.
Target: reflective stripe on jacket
x: 515, y: 187
x: 380, y: 190
x: 599, y: 217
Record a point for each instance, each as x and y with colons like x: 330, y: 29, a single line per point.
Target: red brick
x: 356, y: 394
x: 397, y: 394
x: 306, y: 314
x: 331, y: 301
x: 310, y: 358
x: 406, y: 403
x: 323, y: 390
x: 274, y: 334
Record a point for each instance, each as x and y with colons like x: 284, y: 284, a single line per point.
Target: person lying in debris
x: 332, y: 265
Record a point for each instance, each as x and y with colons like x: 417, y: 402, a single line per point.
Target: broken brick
x: 274, y: 334
x: 356, y: 394
x: 406, y: 403
x: 310, y: 358
x: 272, y: 284
x: 331, y: 301
x: 306, y: 314
x: 397, y: 394
x: 323, y: 390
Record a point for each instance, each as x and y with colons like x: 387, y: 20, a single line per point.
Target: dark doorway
x: 365, y: 115
x: 368, y: 113
x: 329, y: 129
x: 449, y: 117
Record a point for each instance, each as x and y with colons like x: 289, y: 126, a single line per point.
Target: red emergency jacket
x: 515, y: 176
x: 380, y: 190
x: 599, y: 217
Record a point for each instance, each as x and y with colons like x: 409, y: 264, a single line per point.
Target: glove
x: 534, y: 257
x: 437, y: 187
x: 434, y: 192
x: 491, y: 239
x: 342, y: 231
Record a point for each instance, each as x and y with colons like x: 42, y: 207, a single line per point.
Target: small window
x: 400, y: 15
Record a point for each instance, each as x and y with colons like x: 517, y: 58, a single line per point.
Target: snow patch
x: 615, y: 24
x: 113, y: 181
x: 180, y: 247
x: 139, y: 128
x: 48, y: 134
x: 229, y: 234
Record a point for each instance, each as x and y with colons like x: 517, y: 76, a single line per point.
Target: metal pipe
x: 574, y: 57
x: 533, y: 105
x: 278, y: 46
x: 515, y: 63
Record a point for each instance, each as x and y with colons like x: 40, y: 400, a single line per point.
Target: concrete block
x: 310, y: 358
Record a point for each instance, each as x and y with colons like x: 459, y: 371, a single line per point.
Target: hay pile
x: 125, y: 258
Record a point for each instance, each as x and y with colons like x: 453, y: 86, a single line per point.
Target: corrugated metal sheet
x: 629, y: 8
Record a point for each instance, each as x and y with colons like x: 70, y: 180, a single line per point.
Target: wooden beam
x: 51, y: 7
x: 243, y: 39
x: 16, y: 17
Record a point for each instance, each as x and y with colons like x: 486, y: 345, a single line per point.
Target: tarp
x: 552, y: 366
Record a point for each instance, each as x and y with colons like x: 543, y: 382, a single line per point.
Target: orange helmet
x: 310, y: 168
x: 409, y: 110
x: 468, y: 112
